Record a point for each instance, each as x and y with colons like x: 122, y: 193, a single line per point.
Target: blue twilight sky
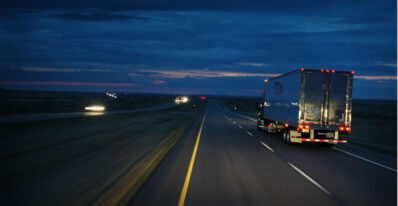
x: 194, y: 47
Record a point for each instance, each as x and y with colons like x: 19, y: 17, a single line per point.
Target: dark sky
x: 194, y: 47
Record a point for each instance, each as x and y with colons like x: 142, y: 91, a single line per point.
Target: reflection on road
x: 93, y: 113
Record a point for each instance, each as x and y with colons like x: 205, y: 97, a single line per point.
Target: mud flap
x: 295, y: 137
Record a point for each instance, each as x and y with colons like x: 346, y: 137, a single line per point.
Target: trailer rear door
x: 313, y: 83
x: 326, y: 98
x: 340, y: 88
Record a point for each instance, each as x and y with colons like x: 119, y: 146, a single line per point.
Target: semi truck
x: 308, y: 105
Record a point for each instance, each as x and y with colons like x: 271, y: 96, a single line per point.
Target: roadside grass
x: 374, y: 123
x: 97, y: 160
x: 13, y: 102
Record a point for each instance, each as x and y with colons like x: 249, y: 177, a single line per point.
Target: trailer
x: 308, y: 105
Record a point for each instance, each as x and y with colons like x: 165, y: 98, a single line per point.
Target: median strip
x: 189, y: 173
x: 309, y: 179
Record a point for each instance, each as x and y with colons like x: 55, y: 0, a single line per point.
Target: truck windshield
x: 313, y: 96
x: 339, y: 83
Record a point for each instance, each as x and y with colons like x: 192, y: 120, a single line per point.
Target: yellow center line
x: 188, y: 177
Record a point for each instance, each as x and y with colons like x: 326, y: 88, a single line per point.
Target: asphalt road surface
x: 37, y: 117
x: 232, y: 163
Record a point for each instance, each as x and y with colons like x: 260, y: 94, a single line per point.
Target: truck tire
x: 286, y: 136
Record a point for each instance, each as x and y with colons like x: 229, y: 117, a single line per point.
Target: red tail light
x: 322, y: 70
x: 333, y: 71
x: 202, y: 97
x: 286, y: 125
x: 303, y: 126
x: 302, y: 69
x: 327, y: 70
x: 352, y: 72
x: 345, y: 129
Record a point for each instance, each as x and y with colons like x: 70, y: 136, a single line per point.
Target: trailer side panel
x: 282, y: 98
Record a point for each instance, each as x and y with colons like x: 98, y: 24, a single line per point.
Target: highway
x: 224, y: 160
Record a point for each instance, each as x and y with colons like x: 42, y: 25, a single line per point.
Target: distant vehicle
x: 308, y: 105
x: 180, y: 99
x: 95, y: 108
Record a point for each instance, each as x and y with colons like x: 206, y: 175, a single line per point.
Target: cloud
x: 113, y: 35
x: 373, y: 18
x: 159, y: 82
x: 252, y: 64
x: 375, y: 77
x: 67, y: 70
x: 100, y: 70
x: 203, y: 74
x: 390, y: 65
x: 132, y: 74
x: 96, y: 84
x: 43, y: 69
x: 95, y: 17
x: 172, y: 5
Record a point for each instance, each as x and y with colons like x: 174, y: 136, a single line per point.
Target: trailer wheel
x: 266, y: 128
x: 285, y: 136
x: 288, y: 141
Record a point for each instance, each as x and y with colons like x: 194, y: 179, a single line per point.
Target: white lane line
x: 268, y: 147
x: 231, y: 112
x: 239, y: 126
x: 309, y: 179
x: 249, y: 133
x: 248, y: 117
x: 244, y: 116
x: 370, y: 161
x: 252, y: 119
